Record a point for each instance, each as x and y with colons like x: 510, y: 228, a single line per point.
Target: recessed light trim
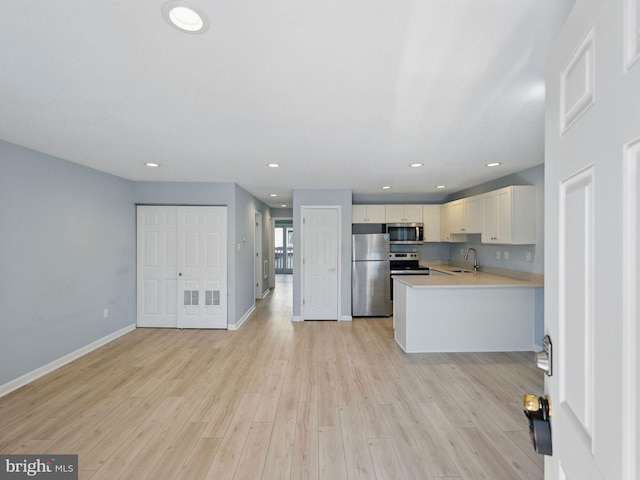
x: 273, y: 194
x: 152, y: 164
x: 493, y: 164
x: 283, y: 205
x: 441, y: 186
x: 185, y: 17
x: 386, y: 187
x: 273, y: 165
x: 416, y: 165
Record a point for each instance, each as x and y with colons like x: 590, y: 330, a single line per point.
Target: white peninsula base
x: 432, y: 318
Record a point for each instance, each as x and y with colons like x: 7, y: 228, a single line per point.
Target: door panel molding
x: 576, y: 322
x: 631, y: 33
x: 577, y: 82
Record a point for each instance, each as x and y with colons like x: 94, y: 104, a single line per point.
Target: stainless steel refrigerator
x: 370, y: 275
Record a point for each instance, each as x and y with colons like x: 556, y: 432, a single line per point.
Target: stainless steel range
x: 405, y: 264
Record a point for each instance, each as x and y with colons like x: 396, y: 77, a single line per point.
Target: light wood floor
x: 276, y: 399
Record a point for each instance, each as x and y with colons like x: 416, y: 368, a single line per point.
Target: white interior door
x: 202, y: 267
x: 258, y: 266
x: 157, y: 285
x: 182, y: 267
x: 591, y: 265
x: 320, y: 260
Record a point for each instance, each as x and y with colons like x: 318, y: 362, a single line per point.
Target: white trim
x: 297, y: 318
x: 236, y: 326
x: 70, y: 357
x: 265, y: 293
x: 345, y: 318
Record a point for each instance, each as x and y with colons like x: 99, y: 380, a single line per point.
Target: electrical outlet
x: 506, y: 254
x: 105, y: 313
x: 498, y: 255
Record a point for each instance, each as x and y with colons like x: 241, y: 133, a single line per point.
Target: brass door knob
x: 531, y: 402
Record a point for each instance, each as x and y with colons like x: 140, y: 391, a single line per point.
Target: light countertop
x: 470, y: 279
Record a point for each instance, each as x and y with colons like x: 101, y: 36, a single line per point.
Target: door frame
x: 303, y: 209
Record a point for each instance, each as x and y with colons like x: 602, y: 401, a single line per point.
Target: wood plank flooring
x: 280, y: 400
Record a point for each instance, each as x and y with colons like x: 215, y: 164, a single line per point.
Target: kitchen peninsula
x: 464, y: 312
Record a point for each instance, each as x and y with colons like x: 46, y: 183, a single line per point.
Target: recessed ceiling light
x: 283, y: 205
x: 151, y: 164
x: 185, y: 17
x: 386, y: 187
x: 493, y: 164
x: 273, y: 165
x: 416, y: 165
x: 273, y: 195
x: 441, y: 186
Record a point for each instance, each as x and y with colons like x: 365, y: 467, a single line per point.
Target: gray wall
x: 317, y: 198
x: 67, y: 252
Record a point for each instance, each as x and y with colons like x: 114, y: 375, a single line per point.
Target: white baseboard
x: 346, y: 318
x: 297, y: 318
x: 265, y: 293
x: 236, y: 326
x: 50, y: 367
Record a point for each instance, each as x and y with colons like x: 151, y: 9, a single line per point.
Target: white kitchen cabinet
x: 509, y: 216
x: 465, y: 215
x: 472, y: 214
x: 368, y: 214
x: 431, y: 218
x: 450, y: 213
x: 403, y: 213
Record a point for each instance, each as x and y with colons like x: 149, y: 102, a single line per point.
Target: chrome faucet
x: 475, y: 258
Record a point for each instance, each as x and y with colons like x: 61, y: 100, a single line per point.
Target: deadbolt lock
x: 538, y: 412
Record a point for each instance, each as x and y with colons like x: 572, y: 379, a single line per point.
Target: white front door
x: 592, y: 206
x: 320, y: 258
x: 182, y: 267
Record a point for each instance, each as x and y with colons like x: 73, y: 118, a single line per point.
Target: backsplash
x: 510, y: 257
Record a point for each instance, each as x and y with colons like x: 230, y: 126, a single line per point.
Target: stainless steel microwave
x: 405, y: 233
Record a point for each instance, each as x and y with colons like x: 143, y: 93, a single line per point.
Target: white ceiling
x: 342, y: 93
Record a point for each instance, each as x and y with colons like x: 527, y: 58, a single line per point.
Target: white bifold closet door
x: 182, y: 266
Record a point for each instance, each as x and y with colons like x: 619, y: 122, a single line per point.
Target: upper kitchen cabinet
x: 509, y: 216
x: 465, y: 215
x: 368, y: 214
x: 431, y: 218
x: 403, y: 213
x: 447, y: 210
